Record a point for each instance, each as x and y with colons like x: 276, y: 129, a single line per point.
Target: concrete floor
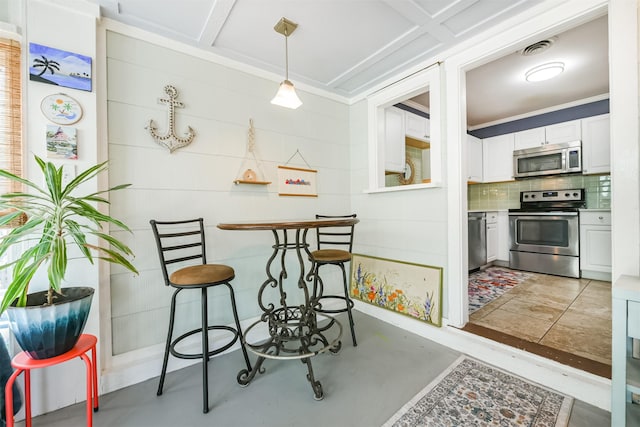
x: 363, y: 386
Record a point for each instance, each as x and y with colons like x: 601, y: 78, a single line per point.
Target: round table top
x: 288, y: 224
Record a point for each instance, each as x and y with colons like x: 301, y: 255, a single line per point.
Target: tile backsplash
x: 506, y: 195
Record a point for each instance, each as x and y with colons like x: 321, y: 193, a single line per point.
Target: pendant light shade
x: 286, y: 95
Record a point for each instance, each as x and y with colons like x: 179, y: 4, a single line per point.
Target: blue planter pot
x: 45, y: 331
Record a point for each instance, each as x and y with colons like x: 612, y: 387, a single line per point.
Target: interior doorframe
x: 532, y: 27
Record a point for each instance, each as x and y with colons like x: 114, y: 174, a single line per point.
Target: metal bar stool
x: 180, y: 242
x: 329, y: 240
x: 22, y: 362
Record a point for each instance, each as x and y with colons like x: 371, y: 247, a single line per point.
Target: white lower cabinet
x: 492, y: 236
x: 625, y: 369
x: 595, y: 244
x: 503, y: 236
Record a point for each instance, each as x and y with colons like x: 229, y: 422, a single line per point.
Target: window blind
x: 10, y: 114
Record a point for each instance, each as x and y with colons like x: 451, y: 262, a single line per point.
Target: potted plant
x: 58, y: 223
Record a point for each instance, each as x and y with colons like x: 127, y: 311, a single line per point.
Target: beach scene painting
x: 59, y: 67
x: 62, y: 142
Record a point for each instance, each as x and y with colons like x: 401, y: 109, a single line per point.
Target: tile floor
x: 572, y: 315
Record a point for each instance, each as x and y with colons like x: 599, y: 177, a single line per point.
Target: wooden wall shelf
x: 242, y: 181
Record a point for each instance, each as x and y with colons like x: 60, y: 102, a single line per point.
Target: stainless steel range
x: 544, y: 233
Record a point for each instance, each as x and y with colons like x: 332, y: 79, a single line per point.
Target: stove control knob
x: 575, y: 194
x: 533, y: 196
x: 567, y: 194
x: 526, y: 196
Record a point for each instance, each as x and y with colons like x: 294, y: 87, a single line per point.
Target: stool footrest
x: 211, y: 353
x: 318, y: 305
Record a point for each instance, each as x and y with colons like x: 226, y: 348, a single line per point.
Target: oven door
x: 545, y: 232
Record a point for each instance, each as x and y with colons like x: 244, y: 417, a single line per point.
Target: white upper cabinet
x: 554, y: 134
x: 474, y: 159
x: 564, y: 132
x: 394, y: 146
x: 416, y: 126
x: 596, y: 145
x: 497, y: 158
x: 529, y: 138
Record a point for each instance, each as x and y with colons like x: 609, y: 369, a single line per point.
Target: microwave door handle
x: 564, y: 161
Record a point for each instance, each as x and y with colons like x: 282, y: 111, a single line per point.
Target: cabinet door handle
x: 601, y: 218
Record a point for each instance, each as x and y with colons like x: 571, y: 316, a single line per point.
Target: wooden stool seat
x: 331, y: 255
x: 197, y: 275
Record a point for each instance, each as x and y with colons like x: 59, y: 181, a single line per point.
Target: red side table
x: 22, y: 362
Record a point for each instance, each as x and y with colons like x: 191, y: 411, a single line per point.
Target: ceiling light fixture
x: 286, y: 95
x: 544, y: 72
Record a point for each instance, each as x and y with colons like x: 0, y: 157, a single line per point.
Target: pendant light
x: 286, y: 95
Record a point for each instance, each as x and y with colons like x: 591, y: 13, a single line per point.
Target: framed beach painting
x: 297, y: 182
x: 59, y: 67
x: 61, y: 109
x: 414, y: 290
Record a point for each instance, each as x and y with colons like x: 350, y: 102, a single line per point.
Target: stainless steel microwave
x: 551, y: 159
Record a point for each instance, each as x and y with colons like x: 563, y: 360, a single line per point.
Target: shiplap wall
x: 408, y: 225
x: 197, y: 181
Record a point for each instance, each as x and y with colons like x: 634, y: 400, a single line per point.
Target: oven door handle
x: 543, y: 213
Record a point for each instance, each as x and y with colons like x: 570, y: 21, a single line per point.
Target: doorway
x: 533, y: 314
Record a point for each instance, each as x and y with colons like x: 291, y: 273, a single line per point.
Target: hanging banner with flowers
x: 297, y: 182
x: 411, y: 289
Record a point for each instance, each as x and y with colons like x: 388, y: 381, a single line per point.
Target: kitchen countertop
x: 596, y: 210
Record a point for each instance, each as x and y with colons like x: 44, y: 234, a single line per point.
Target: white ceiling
x: 340, y: 46
x: 498, y: 89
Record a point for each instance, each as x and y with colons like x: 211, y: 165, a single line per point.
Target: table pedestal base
x: 294, y: 333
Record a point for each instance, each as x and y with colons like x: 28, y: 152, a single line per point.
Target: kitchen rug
x: 487, y: 285
x: 470, y: 393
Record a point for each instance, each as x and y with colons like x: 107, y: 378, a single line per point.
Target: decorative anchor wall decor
x: 170, y: 140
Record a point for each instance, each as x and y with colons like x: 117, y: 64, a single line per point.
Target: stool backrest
x: 335, y: 237
x: 179, y: 241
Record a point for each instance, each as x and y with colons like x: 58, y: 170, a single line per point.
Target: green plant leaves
x: 56, y: 220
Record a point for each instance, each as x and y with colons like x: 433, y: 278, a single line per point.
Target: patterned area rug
x: 471, y: 393
x: 487, y: 285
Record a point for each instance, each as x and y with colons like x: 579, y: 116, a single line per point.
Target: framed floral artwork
x: 414, y: 290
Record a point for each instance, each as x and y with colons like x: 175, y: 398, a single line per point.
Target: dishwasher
x: 477, y: 240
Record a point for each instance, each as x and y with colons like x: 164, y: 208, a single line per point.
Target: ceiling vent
x: 538, y: 47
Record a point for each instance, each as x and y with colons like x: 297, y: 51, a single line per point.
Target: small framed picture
x: 62, y: 142
x: 297, y: 182
x: 61, y: 109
